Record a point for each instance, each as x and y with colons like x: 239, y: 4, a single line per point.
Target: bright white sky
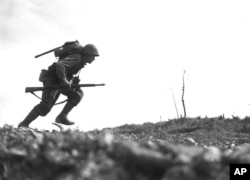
x: 144, y: 45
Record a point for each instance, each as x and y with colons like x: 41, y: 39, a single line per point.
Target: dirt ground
x: 192, y: 148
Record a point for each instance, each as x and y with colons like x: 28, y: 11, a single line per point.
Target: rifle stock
x: 33, y: 89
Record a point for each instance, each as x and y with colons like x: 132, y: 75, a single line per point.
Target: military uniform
x: 65, y: 71
x: 66, y: 68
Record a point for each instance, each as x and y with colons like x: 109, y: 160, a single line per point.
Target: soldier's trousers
x: 49, y: 97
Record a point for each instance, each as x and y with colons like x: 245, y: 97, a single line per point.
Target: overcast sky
x: 144, y: 46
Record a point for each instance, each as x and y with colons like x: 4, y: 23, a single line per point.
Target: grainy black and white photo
x: 122, y: 89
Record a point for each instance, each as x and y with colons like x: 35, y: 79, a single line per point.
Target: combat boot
x: 62, y: 117
x: 34, y: 113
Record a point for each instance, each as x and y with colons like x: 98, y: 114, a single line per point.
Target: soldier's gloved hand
x: 66, y: 84
x: 76, y: 80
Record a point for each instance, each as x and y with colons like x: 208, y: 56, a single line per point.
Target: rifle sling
x: 41, y: 98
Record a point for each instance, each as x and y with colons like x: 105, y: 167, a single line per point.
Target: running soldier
x: 64, y: 72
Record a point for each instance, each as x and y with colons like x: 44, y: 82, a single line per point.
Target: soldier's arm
x: 64, y: 64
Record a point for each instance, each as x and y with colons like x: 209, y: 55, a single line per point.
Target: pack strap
x: 41, y: 98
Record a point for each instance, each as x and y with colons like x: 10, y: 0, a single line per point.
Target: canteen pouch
x: 43, y: 75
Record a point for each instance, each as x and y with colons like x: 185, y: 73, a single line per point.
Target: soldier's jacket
x: 67, y: 67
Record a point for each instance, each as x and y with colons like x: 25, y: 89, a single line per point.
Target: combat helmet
x: 90, y: 49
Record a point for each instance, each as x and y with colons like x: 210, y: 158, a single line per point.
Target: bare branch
x: 175, y: 104
x: 183, y: 91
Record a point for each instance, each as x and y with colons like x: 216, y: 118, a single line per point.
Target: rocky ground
x: 190, y: 149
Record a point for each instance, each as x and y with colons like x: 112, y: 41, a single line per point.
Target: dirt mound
x: 191, y: 148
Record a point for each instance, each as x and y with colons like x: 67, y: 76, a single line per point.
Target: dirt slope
x: 219, y: 132
x: 195, y: 148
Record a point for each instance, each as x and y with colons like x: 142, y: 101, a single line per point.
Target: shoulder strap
x: 41, y: 98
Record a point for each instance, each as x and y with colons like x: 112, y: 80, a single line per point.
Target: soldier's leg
x: 34, y: 113
x: 74, y: 97
x: 49, y: 98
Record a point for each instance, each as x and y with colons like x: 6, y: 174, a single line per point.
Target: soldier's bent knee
x: 44, y: 109
x: 76, y: 97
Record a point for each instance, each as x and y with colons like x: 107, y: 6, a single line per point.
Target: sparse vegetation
x: 194, y: 148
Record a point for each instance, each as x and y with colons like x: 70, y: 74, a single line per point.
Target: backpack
x: 70, y: 47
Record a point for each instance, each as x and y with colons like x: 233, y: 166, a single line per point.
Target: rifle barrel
x: 37, y: 56
x: 33, y: 89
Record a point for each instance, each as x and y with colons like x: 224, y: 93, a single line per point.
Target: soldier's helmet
x: 90, y: 49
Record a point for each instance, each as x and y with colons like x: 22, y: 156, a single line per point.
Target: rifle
x: 37, y: 56
x: 33, y: 89
x: 57, y: 48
